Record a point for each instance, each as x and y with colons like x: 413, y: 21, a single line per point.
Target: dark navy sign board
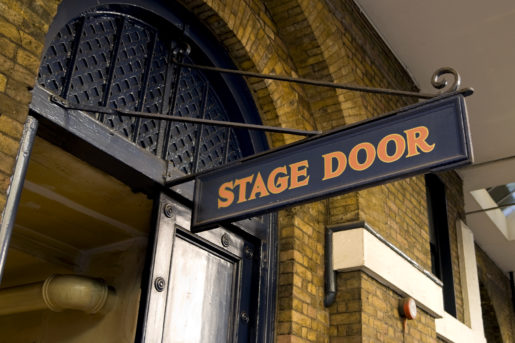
x: 418, y: 139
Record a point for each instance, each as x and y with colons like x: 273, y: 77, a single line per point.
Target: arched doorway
x: 217, y: 286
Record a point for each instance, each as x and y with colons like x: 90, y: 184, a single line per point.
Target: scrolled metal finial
x: 438, y: 82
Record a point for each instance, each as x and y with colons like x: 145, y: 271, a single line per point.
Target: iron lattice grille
x: 116, y: 61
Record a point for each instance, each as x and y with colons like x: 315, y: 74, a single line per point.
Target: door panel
x: 206, y: 280
x: 201, y: 302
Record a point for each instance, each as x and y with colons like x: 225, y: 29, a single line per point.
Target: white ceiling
x: 476, y: 39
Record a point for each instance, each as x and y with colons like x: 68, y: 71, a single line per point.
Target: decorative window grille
x: 113, y: 60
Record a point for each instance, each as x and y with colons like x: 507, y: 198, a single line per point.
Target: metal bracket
x: 436, y: 80
x: 490, y: 208
x: 87, y: 108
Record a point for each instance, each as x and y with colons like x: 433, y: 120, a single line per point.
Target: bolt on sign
x: 430, y: 136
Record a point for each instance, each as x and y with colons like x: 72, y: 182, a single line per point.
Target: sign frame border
x: 467, y: 158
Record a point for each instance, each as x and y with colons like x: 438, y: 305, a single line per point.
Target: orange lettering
x: 242, y: 184
x: 341, y: 160
x: 225, y: 195
x: 259, y: 187
x: 296, y: 172
x: 382, y: 148
x: 416, y: 138
x: 279, y: 185
x: 370, y: 156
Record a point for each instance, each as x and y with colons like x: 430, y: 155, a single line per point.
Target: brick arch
x: 325, y: 40
x: 344, y: 34
x: 311, y: 37
x: 251, y: 39
x: 306, y: 52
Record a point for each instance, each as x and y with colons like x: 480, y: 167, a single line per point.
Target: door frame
x: 172, y: 222
x: 89, y: 140
x: 81, y: 135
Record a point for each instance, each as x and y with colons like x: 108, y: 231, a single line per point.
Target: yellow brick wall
x: 301, y: 313
x: 381, y: 319
x: 23, y: 25
x: 367, y: 311
x: 498, y: 312
x: 346, y: 313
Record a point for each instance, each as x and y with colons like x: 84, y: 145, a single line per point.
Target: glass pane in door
x: 201, y: 301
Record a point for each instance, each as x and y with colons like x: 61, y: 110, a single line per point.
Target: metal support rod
x: 310, y: 82
x: 436, y: 79
x: 63, y: 103
x: 489, y: 209
x: 16, y: 187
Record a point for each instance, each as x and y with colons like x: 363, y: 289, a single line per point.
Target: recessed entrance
x: 118, y: 230
x: 74, y: 219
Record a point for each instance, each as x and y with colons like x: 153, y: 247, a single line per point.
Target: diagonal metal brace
x: 87, y: 108
x: 436, y: 80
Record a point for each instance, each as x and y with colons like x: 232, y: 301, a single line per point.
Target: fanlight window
x: 117, y: 61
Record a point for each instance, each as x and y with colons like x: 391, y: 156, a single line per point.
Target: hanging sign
x: 418, y: 139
